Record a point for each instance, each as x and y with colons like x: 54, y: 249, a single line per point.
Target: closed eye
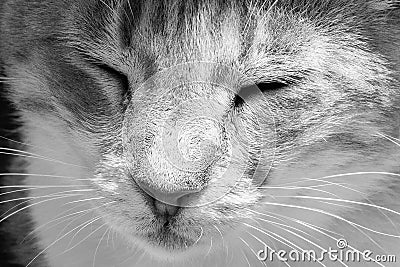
x: 116, y: 75
x: 251, y: 91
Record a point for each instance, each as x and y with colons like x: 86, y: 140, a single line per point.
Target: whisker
x: 88, y: 199
x: 267, y: 215
x: 223, y: 241
x: 211, y: 244
x: 41, y: 175
x: 72, y: 202
x: 61, y: 220
x: 8, y: 78
x: 98, y: 245
x: 14, y: 207
x: 24, y: 202
x: 30, y: 145
x: 252, y: 250
x: 138, y: 260
x: 325, y: 184
x: 14, y: 150
x: 343, y: 200
x: 245, y: 257
x: 133, y: 255
x: 282, y: 226
x: 285, y: 225
x: 365, y: 197
x: 341, y: 175
x: 56, y: 194
x: 220, y: 233
x: 269, y: 238
x: 36, y: 188
x: 358, y: 173
x: 357, y: 191
x: 342, y: 185
x: 390, y: 138
x: 274, y: 236
x: 201, y: 235
x: 86, y: 211
x: 335, y: 204
x: 298, y: 188
x: 296, y: 221
x: 331, y: 215
x: 360, y: 203
x: 73, y: 237
x: 304, y: 224
x: 108, y: 236
x: 37, y: 203
x: 86, y: 238
x: 112, y: 239
x: 57, y: 240
x: 32, y: 156
x: 50, y: 195
x: 324, y: 233
x: 71, y: 222
x: 265, y: 245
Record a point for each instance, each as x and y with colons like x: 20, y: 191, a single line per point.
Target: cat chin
x: 163, y: 254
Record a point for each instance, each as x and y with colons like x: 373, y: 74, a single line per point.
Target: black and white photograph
x: 199, y: 133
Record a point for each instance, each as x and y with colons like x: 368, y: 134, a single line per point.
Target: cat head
x: 193, y: 117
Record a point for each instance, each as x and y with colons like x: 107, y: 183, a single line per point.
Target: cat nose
x: 173, y: 199
x: 167, y: 203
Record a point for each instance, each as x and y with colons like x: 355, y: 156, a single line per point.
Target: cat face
x: 194, y: 119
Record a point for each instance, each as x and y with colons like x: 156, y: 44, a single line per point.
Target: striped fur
x: 94, y: 82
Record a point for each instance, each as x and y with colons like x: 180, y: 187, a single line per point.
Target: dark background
x: 8, y: 129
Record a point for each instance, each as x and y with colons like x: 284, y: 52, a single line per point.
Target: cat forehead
x: 165, y: 33
x: 177, y: 16
x: 249, y: 35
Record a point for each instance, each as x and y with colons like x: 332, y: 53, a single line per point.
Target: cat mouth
x: 170, y: 231
x: 167, y: 234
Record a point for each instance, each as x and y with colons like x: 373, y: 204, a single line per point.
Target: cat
x: 201, y: 132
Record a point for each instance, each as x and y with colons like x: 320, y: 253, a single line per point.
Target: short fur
x: 285, y: 114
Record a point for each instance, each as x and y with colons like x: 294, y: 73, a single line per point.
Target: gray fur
x: 336, y: 64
